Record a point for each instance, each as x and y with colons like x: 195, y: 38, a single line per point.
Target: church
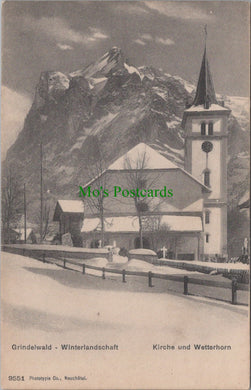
x: 191, y: 224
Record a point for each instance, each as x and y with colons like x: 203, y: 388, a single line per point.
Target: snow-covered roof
x: 139, y: 153
x: 201, y: 108
x: 68, y: 206
x: 130, y: 224
x: 71, y: 206
x: 182, y: 223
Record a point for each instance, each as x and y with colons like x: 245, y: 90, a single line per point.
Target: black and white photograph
x: 125, y: 203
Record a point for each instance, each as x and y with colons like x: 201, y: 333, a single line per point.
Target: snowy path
x: 44, y: 304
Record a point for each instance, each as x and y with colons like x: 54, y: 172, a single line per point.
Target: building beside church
x: 69, y: 214
x: 191, y: 224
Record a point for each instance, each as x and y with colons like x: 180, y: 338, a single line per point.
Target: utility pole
x: 25, y: 230
x: 41, y: 191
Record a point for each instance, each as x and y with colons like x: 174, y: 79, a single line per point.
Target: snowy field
x: 45, y: 304
x: 226, y: 266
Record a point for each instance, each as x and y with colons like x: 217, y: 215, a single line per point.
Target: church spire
x: 205, y: 93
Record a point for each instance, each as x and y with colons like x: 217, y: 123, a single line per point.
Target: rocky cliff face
x: 118, y: 105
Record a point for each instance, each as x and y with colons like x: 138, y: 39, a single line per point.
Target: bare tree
x: 47, y: 215
x: 156, y: 230
x: 139, y: 178
x: 96, y: 202
x: 12, y: 196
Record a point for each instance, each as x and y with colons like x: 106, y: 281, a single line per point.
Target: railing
x: 67, y: 263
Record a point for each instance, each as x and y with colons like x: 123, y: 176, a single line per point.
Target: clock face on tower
x: 207, y: 146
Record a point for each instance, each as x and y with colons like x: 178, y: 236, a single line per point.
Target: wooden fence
x: 67, y: 263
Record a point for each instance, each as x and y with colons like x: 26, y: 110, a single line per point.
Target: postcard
x: 125, y: 195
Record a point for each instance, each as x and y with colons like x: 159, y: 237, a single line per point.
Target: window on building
x: 207, y: 217
x: 207, y: 238
x: 203, y: 128
x: 207, y: 178
x: 210, y: 128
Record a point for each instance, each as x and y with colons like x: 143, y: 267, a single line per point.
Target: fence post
x: 110, y: 256
x: 150, y: 279
x: 23, y: 252
x: 83, y: 268
x: 43, y: 257
x: 64, y: 263
x: 234, y: 291
x: 103, y: 273
x: 185, y: 285
x: 124, y: 274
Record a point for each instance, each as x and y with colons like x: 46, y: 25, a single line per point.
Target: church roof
x: 205, y: 94
x: 141, y: 156
x: 205, y: 98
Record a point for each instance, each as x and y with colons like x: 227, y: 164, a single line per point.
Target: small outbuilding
x: 70, y: 215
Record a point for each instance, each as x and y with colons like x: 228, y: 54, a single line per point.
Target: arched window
x: 210, y: 128
x: 207, y: 178
x: 207, y: 238
x: 203, y: 128
x: 207, y: 216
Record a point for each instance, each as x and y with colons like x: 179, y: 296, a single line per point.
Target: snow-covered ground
x: 140, y: 265
x: 226, y: 266
x: 120, y: 263
x: 45, y: 304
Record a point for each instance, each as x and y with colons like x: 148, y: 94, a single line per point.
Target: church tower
x: 205, y: 125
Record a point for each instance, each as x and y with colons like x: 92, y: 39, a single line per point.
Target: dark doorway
x: 146, y: 243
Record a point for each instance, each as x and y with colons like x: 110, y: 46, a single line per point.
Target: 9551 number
x: 15, y: 378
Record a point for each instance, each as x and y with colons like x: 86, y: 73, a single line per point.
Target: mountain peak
x: 114, y: 58
x: 115, y: 50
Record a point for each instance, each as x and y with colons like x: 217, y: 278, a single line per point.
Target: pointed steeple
x: 205, y: 94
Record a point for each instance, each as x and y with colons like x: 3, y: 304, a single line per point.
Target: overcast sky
x: 65, y: 36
